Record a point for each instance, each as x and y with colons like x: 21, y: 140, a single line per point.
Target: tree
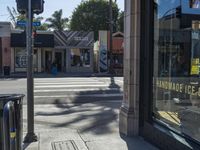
x: 43, y: 25
x: 56, y: 22
x: 15, y: 16
x: 120, y: 22
x: 93, y: 15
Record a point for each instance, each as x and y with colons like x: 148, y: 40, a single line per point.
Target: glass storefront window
x: 21, y: 58
x: 80, y: 57
x: 194, y: 3
x: 176, y: 74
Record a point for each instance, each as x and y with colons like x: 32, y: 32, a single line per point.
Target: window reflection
x: 176, y: 75
x: 80, y: 57
x: 194, y: 3
x: 21, y: 58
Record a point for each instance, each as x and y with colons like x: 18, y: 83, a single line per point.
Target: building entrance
x: 58, y: 61
x: 48, y: 61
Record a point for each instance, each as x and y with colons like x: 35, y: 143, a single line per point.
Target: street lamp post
x: 30, y: 7
x: 30, y: 136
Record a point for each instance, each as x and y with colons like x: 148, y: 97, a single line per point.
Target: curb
x: 59, y: 75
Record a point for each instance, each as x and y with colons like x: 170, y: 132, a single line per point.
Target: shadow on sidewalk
x: 136, y: 142
x: 87, y: 116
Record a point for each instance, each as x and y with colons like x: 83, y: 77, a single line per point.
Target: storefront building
x: 78, y: 50
x: 69, y: 51
x: 43, y: 43
x: 5, y: 51
x: 161, y: 73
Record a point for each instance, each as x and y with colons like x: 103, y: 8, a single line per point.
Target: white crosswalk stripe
x: 70, y: 86
x: 74, y: 90
x: 79, y: 89
x: 89, y: 95
x: 54, y: 83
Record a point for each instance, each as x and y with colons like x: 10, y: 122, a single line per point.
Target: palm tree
x: 15, y: 16
x: 56, y: 22
x: 43, y: 25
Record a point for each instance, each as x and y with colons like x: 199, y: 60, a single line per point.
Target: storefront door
x: 58, y: 61
x: 48, y: 61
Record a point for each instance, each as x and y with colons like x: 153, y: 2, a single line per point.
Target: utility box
x: 6, y: 70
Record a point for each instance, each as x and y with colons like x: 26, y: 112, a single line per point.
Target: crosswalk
x: 77, y: 90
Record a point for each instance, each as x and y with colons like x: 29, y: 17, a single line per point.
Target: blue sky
x: 49, y: 7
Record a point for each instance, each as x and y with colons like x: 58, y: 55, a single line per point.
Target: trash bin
x: 54, y: 70
x: 6, y: 70
x: 11, y: 123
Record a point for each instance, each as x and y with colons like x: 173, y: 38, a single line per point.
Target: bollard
x: 9, y: 127
x: 11, y: 122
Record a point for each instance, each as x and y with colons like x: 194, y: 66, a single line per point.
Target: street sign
x: 36, y: 23
x: 23, y: 23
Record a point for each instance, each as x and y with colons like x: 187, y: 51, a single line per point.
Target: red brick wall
x: 6, y: 51
x: 117, y: 44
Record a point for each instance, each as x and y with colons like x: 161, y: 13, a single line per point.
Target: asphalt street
x: 67, y: 89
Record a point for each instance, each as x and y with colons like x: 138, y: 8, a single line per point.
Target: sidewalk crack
x: 85, y: 142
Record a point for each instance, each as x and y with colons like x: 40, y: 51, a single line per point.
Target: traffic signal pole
x: 30, y: 136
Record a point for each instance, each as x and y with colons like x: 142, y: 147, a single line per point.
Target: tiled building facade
x: 161, y: 73
x: 5, y: 49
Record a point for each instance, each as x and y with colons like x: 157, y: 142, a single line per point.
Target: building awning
x: 41, y: 40
x: 73, y: 39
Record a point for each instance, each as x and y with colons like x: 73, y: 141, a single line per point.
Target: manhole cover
x: 64, y: 145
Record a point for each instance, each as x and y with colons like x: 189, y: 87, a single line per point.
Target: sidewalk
x: 91, y: 126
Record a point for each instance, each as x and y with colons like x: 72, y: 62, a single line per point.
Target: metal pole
x: 9, y: 142
x: 111, y: 31
x: 30, y: 136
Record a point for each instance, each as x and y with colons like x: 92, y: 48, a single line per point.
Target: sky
x: 49, y: 7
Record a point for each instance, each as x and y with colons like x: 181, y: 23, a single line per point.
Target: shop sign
x: 81, y: 38
x: 74, y: 38
x: 185, y: 87
x: 195, y: 66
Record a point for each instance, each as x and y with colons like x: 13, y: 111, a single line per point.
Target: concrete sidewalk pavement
x: 89, y: 126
